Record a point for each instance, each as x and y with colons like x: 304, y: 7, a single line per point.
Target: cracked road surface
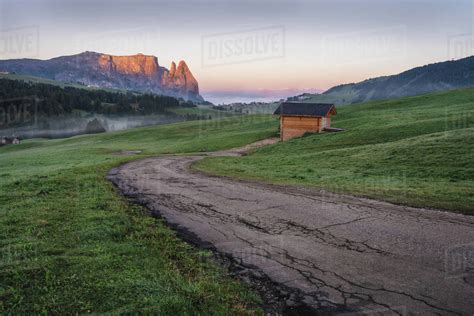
x: 367, y: 256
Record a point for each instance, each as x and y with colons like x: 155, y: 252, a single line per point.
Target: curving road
x: 342, y: 254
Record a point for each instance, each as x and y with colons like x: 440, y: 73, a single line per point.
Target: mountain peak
x: 182, y: 67
x: 181, y: 80
x: 172, y: 69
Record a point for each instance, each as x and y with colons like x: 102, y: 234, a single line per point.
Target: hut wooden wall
x: 294, y: 126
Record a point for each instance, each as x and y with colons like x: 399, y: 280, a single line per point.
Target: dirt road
x: 340, y: 253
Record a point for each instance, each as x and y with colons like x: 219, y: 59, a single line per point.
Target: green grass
x: 416, y: 151
x: 344, y: 95
x: 70, y: 244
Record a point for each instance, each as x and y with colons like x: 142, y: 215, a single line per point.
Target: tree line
x: 54, y: 100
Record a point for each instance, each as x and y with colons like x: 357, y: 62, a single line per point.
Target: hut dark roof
x: 305, y: 109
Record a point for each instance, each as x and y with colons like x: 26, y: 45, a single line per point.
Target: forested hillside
x: 27, y: 98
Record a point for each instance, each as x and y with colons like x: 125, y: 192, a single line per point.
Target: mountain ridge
x: 440, y: 76
x: 137, y: 72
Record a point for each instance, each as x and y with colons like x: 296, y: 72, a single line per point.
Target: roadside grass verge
x: 415, y: 151
x: 70, y: 244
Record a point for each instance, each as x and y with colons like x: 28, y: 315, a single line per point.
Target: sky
x: 248, y: 50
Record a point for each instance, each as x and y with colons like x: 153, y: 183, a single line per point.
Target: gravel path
x: 328, y: 252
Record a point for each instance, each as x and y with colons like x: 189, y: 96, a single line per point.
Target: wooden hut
x: 297, y: 118
x: 8, y: 141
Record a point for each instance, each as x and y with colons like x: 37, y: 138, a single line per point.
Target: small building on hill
x: 9, y: 140
x: 297, y: 118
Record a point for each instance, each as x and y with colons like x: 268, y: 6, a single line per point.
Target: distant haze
x: 237, y: 46
x: 246, y: 96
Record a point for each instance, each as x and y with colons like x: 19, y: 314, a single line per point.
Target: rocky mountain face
x: 137, y: 72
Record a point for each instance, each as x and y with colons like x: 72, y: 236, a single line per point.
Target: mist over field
x: 31, y: 108
x: 66, y: 126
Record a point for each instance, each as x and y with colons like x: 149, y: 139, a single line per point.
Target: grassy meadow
x: 70, y: 244
x: 416, y: 151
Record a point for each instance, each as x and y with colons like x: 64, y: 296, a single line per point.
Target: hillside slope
x: 440, y: 76
x: 413, y: 150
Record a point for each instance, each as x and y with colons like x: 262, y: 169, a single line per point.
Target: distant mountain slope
x: 433, y: 77
x: 137, y: 72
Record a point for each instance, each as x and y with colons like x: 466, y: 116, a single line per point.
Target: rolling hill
x: 413, y: 150
x: 440, y: 76
x: 60, y: 214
